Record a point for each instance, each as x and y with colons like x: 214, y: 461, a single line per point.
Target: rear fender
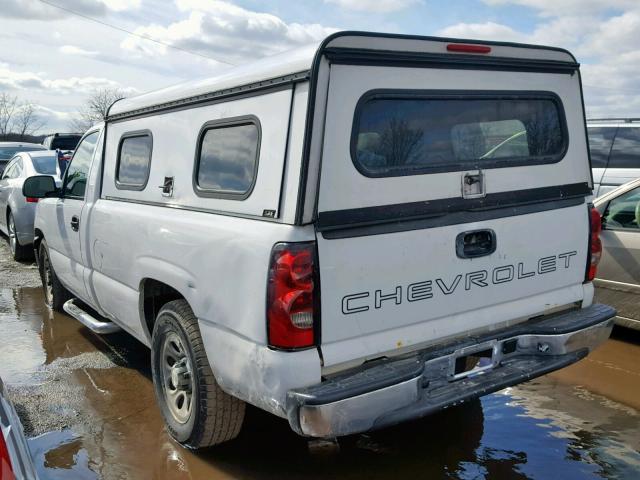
x: 168, y: 273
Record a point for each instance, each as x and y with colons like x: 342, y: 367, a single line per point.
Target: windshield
x: 65, y: 143
x: 45, y: 165
x: 7, y: 153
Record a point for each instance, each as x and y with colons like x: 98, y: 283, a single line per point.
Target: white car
x: 331, y: 234
x: 9, y: 149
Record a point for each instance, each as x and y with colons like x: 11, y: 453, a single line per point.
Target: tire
x: 206, y: 415
x: 18, y: 252
x: 55, y: 295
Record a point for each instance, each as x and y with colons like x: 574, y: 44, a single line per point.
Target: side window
x: 600, y: 140
x: 8, y: 171
x: 134, y: 161
x: 75, y: 180
x: 623, y: 212
x: 626, y: 148
x: 227, y: 159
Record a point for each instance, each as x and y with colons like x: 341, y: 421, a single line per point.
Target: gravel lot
x: 14, y: 274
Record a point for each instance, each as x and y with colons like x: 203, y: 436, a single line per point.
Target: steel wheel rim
x: 12, y: 234
x: 177, y: 378
x: 47, y: 282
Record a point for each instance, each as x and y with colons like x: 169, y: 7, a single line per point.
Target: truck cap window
x: 228, y: 159
x: 409, y: 133
x: 134, y: 161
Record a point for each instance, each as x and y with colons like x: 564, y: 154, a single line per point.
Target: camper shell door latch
x: 473, y: 185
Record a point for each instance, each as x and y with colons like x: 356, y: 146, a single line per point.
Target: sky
x: 57, y: 57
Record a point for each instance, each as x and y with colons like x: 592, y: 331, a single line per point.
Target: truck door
x: 65, y: 247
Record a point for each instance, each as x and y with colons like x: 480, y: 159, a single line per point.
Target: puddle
x: 582, y: 422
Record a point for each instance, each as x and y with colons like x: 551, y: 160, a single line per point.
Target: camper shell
x: 353, y: 226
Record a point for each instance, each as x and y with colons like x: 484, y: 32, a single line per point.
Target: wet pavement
x: 88, y: 405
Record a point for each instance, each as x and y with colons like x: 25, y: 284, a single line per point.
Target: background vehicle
x: 17, y: 211
x: 64, y: 143
x: 615, y: 152
x: 618, y: 280
x: 15, y: 458
x: 9, y: 149
x: 361, y: 188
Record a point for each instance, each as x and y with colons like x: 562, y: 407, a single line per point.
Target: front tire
x: 197, y: 412
x: 55, y: 295
x: 18, y: 252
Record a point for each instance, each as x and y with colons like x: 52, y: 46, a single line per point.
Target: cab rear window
x: 410, y: 133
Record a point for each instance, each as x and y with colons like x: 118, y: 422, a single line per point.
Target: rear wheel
x: 19, y: 252
x: 55, y: 295
x: 196, y: 411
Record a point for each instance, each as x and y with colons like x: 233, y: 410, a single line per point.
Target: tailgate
x: 450, y: 200
x: 393, y: 291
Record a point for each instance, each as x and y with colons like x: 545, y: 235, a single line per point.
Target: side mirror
x: 40, y: 186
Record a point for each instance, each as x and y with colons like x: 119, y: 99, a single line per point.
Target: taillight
x: 291, y: 295
x: 595, y: 244
x: 6, y: 471
x: 31, y: 200
x: 468, y: 48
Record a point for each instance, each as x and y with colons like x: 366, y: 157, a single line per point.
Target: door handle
x: 75, y: 223
x: 476, y: 243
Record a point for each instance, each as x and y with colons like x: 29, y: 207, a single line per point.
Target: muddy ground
x: 88, y: 406
x: 14, y: 274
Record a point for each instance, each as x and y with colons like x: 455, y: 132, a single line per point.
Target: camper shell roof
x: 345, y: 47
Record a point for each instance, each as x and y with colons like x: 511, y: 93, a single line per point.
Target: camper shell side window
x: 133, y: 163
x: 227, y: 154
x: 413, y: 132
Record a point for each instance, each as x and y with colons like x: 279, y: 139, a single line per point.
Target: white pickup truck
x: 348, y: 236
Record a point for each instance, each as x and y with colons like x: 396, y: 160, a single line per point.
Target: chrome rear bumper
x: 396, y: 390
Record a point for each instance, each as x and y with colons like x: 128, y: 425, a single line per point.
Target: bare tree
x: 26, y: 120
x: 95, y: 108
x: 8, y: 106
x: 399, y: 143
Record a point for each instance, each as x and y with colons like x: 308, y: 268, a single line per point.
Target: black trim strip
x: 191, y: 209
x: 445, y: 220
x: 356, y: 56
x: 211, y: 96
x: 404, y: 216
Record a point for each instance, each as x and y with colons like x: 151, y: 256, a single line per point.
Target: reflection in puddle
x: 579, y: 423
x: 60, y: 454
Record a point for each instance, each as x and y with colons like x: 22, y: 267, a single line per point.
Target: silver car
x: 17, y: 211
x: 9, y: 149
x: 618, y: 278
x: 15, y: 458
